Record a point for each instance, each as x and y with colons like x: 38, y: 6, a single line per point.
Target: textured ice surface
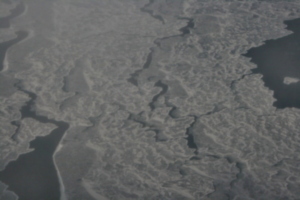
x: 161, y: 103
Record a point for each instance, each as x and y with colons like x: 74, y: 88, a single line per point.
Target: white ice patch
x: 290, y: 80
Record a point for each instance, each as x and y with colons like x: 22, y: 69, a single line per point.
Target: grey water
x: 277, y: 59
x: 33, y: 175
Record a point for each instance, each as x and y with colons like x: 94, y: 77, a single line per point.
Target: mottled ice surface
x: 160, y: 101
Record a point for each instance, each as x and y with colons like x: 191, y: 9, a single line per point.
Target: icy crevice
x: 151, y: 12
x: 234, y: 82
x: 241, y: 169
x: 134, y: 76
x: 190, y: 131
x: 231, y: 188
x: 184, y: 31
x: 139, y: 119
x: 164, y: 90
x: 187, y: 29
x: 148, y: 126
x: 160, y: 83
x: 190, y: 135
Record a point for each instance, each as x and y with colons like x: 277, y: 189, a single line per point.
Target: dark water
x: 277, y: 59
x: 32, y: 176
x: 5, y: 45
x: 5, y: 23
x: 18, y: 10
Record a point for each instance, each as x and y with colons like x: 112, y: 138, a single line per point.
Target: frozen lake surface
x: 149, y: 100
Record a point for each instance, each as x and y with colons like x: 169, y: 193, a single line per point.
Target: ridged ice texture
x: 160, y: 101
